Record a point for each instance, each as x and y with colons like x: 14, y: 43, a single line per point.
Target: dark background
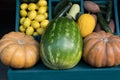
x: 7, y: 16
x: 7, y: 22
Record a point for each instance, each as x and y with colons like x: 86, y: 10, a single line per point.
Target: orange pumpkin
x: 102, y: 49
x: 19, y: 50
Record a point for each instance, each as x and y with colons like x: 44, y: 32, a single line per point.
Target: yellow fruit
x: 40, y: 17
x: 42, y: 3
x: 26, y: 22
x: 35, y: 34
x: 35, y: 24
x: 23, y: 32
x: 24, y: 6
x: 32, y: 6
x: 29, y: 30
x: 42, y: 9
x: 86, y: 23
x: 21, y: 28
x: 40, y: 31
x: 23, y: 13
x: 22, y: 20
x: 32, y: 14
x: 44, y: 23
x: 46, y: 15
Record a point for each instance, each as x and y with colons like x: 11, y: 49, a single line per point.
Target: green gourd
x: 61, y: 44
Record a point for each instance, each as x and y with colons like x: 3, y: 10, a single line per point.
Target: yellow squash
x: 86, y: 23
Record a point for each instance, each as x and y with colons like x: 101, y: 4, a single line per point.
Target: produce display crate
x: 17, y: 18
x: 118, y: 10
x: 80, y: 72
x: 114, y: 14
x: 116, y: 17
x: 51, y: 4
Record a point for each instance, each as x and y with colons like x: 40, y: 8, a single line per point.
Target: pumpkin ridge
x: 23, y: 47
x: 14, y: 55
x: 94, y: 35
x: 85, y: 45
x: 102, y: 33
x: 114, y: 54
x: 9, y: 37
x: 26, y: 55
x: 96, y: 57
x: 115, y: 38
x: 91, y: 49
x: 105, y: 52
x: 4, y: 49
x: 37, y: 58
x: 105, y: 40
x: 4, y: 46
x: 114, y: 48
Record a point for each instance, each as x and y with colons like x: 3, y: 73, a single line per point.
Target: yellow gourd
x: 86, y: 23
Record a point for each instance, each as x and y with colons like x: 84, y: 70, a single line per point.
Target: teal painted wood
x: 118, y: 10
x: 81, y: 72
x: 17, y: 18
x: 115, y: 14
x: 116, y: 17
x: 50, y: 17
x: 52, y: 4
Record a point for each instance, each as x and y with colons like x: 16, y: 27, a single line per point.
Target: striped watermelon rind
x: 61, y: 44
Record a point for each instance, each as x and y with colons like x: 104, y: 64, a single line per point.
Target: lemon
x: 23, y: 13
x: 35, y: 34
x: 26, y: 22
x: 32, y: 14
x: 23, y: 32
x: 29, y: 30
x: 42, y: 3
x: 40, y: 17
x: 44, y: 23
x: 21, y: 28
x: 42, y: 9
x: 37, y: 6
x: 24, y: 6
x: 45, y: 14
x: 22, y: 20
x: 40, y: 31
x: 35, y: 24
x: 32, y: 6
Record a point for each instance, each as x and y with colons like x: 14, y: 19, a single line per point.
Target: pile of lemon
x: 33, y: 18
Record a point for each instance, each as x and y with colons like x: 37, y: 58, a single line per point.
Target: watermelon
x: 61, y: 44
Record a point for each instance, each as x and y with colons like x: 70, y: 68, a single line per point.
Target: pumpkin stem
x: 105, y: 39
x: 20, y: 42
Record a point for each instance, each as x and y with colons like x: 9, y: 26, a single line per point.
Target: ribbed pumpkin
x: 86, y: 23
x: 18, y: 50
x: 102, y: 49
